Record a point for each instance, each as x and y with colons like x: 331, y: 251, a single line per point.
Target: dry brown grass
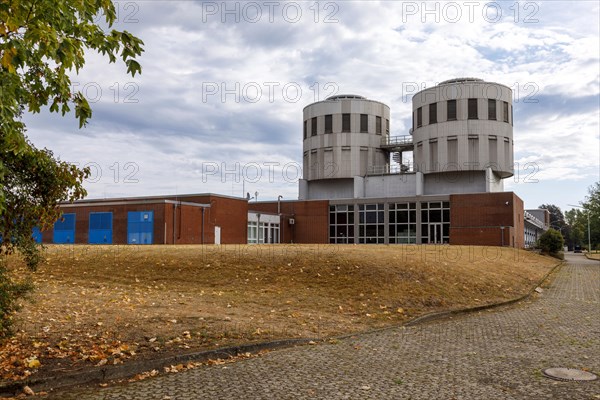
x: 93, y: 301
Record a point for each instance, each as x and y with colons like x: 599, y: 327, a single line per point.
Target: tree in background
x: 557, y: 221
x: 592, y: 206
x: 551, y: 241
x: 577, y: 219
x: 41, y: 43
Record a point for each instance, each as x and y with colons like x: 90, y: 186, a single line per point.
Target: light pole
x: 279, y: 214
x: 588, y: 218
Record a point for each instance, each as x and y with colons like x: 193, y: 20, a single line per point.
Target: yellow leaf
x: 33, y: 362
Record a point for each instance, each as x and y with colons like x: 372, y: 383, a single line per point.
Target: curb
x: 107, y: 373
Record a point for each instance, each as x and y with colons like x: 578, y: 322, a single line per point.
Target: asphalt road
x: 494, y: 354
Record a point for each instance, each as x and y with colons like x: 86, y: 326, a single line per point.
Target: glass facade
x: 403, y: 223
x: 371, y: 227
x: 408, y: 222
x: 341, y: 224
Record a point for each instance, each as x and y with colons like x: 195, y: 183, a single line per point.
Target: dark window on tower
x: 512, y: 121
x: 492, y: 109
x: 313, y: 126
x: 419, y: 117
x: 305, y: 131
x: 378, y: 125
x: 505, y: 111
x: 451, y: 110
x: 328, y: 123
x: 472, y: 109
x: 364, y: 123
x: 387, y: 126
x: 345, y: 122
x: 433, y: 113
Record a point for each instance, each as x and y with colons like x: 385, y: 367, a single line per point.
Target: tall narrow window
x: 364, y: 123
x: 419, y: 117
x: 492, y: 109
x: 313, y: 126
x: 505, y: 111
x: 328, y: 123
x: 378, y: 125
x: 305, y: 130
x: 472, y: 109
x: 387, y: 126
x: 512, y: 121
x: 345, y: 122
x: 433, y: 113
x: 451, y: 104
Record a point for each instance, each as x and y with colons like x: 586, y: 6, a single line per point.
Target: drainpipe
x: 202, y: 225
x: 174, y: 221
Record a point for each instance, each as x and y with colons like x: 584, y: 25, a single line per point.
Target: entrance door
x: 435, y: 233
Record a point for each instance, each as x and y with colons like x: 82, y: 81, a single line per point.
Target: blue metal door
x: 37, y: 235
x: 140, y: 227
x: 64, y: 229
x: 100, y: 228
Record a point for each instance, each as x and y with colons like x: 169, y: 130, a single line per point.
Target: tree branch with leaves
x: 42, y: 42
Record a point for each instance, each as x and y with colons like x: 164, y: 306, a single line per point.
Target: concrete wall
x: 455, y: 182
x: 390, y: 185
x: 326, y: 189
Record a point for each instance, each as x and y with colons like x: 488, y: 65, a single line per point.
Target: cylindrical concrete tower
x: 342, y: 139
x: 463, y: 136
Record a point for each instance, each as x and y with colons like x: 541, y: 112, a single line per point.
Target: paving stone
x: 493, y: 354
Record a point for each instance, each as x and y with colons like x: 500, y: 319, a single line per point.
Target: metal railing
x: 404, y: 168
x: 396, y: 140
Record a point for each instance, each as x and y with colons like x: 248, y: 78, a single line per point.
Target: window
x: 313, y: 126
x: 345, y: 122
x: 419, y: 117
x: 371, y: 227
x: 328, y: 123
x: 452, y: 146
x: 473, y: 151
x: 305, y: 130
x: 341, y: 224
x: 451, y: 111
x: 505, y: 114
x: 378, y: 125
x: 433, y: 113
x: 364, y: 123
x: 472, y: 109
x: 511, y: 115
x: 403, y: 223
x: 492, y: 109
x: 387, y: 126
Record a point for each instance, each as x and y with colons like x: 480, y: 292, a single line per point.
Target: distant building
x: 442, y: 183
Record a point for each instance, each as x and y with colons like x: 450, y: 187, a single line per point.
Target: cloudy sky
x: 224, y: 84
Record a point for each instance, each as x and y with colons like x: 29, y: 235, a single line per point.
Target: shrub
x: 551, y: 241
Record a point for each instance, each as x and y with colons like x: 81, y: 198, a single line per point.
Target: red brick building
x: 469, y: 219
